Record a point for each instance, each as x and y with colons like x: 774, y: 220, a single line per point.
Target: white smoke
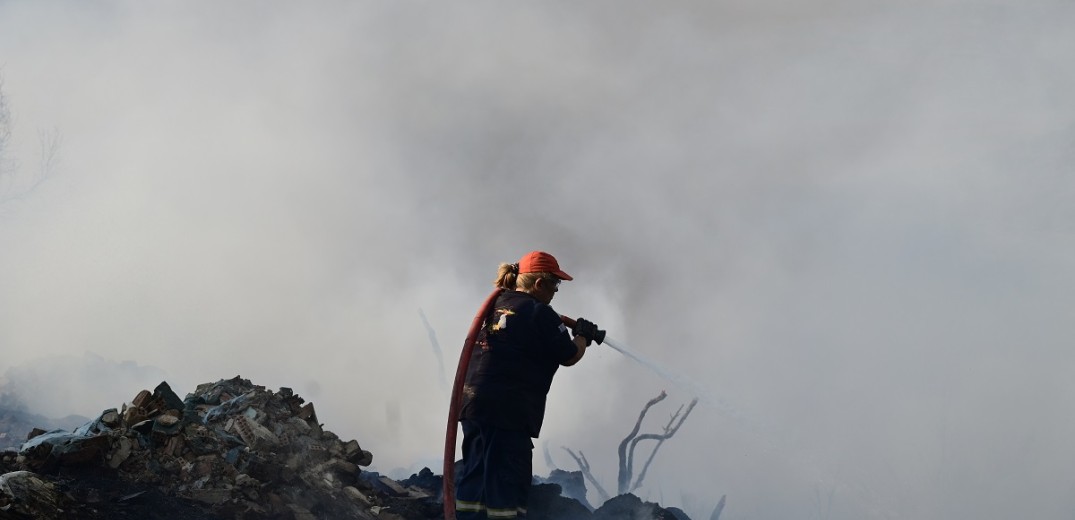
x: 849, y: 221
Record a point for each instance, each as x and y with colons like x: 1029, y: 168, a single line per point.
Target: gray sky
x: 849, y: 224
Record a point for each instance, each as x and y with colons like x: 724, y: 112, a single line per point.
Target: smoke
x: 61, y: 385
x: 849, y: 222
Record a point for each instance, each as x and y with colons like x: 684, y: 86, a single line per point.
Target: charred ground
x: 234, y: 450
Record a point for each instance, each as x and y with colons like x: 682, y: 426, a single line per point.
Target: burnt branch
x: 548, y: 456
x: 584, y: 466
x: 719, y: 509
x: 623, y: 480
x: 670, y: 429
x: 630, y: 444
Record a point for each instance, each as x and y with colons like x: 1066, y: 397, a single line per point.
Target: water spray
x: 694, y: 389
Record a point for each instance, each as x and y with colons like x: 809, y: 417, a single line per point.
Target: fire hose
x: 457, y: 400
x: 457, y: 396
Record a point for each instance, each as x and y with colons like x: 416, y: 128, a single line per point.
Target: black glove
x: 588, y: 330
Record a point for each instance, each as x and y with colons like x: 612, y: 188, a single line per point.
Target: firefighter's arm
x: 579, y: 342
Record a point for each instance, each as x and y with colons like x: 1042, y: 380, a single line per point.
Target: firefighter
x: 518, y: 351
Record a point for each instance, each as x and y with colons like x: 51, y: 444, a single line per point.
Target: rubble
x: 235, y: 450
x: 24, y: 493
x: 630, y: 507
x: 572, y: 485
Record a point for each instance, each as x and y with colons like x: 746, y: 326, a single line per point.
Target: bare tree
x: 623, y: 480
x: 629, y: 445
x: 627, y: 454
x: 11, y: 185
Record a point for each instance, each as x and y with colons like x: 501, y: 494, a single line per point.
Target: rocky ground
x: 235, y: 450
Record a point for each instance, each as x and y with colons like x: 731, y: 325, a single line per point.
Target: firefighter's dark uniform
x: 518, y: 352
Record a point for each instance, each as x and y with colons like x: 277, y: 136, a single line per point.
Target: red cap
x: 541, y: 262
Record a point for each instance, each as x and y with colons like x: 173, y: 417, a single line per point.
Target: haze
x: 849, y: 224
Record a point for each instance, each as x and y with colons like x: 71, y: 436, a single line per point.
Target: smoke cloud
x: 849, y: 223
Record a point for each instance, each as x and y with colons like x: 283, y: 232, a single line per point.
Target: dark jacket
x: 516, y: 355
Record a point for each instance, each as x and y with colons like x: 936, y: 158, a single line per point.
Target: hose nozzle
x: 599, y: 338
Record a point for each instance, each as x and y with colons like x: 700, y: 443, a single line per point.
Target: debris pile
x: 235, y: 450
